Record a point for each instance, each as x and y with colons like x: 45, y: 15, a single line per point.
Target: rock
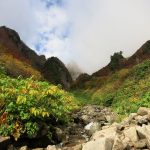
x: 77, y: 147
x: 92, y: 127
x: 110, y: 118
x: 117, y: 144
x: 23, y: 148
x: 60, y: 135
x: 107, y: 133
x: 144, y: 133
x: 85, y: 119
x: 38, y: 149
x: 131, y: 134
x: 99, y: 144
x: 141, y: 119
x: 4, y: 142
x: 140, y: 144
x: 52, y: 147
x: 143, y: 111
x: 56, y: 72
x: 10, y: 147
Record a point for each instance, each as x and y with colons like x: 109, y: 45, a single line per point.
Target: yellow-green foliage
x: 17, y: 67
x: 25, y: 103
x: 125, y: 90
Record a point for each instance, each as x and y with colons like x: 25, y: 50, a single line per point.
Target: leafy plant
x: 28, y: 102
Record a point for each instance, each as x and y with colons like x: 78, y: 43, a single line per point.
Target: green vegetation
x: 25, y: 103
x: 115, y: 60
x: 15, y: 67
x: 125, y: 90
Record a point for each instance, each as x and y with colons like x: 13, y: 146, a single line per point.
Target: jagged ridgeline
x: 19, y: 59
x: 123, y: 84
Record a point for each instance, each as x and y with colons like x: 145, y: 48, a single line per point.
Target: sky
x: 81, y: 32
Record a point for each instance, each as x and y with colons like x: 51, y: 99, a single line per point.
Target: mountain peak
x: 27, y: 62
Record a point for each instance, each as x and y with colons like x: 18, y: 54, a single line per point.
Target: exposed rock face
x: 82, y: 78
x: 54, y: 70
x: 23, y: 59
x: 10, y: 40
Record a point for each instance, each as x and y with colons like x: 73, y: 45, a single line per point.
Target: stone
x: 60, y: 135
x: 131, y: 134
x: 144, y: 133
x: 85, y: 119
x: 23, y: 148
x: 4, y: 142
x: 77, y: 147
x: 140, y: 144
x: 117, y: 144
x: 51, y: 147
x: 107, y: 133
x: 143, y: 111
x: 10, y: 147
x: 38, y: 149
x: 141, y: 119
x: 92, y: 127
x: 99, y: 144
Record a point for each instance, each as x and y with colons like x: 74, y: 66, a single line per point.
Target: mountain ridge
x: 19, y: 59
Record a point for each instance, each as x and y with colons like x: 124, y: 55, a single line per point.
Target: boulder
x: 143, y: 111
x: 144, y: 133
x: 131, y: 134
x: 117, y: 144
x: 4, y: 142
x: 99, y: 144
x: 38, y: 149
x: 92, y: 127
x: 52, y: 147
x: 77, y: 147
x: 140, y: 144
x: 107, y: 133
x: 23, y: 148
x: 60, y: 135
x: 142, y: 120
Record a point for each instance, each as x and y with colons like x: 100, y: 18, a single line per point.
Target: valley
x: 43, y: 108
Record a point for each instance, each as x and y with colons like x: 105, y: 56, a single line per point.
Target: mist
x: 86, y: 32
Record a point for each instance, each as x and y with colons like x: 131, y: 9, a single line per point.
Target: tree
x: 115, y: 60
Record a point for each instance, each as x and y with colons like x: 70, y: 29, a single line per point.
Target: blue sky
x: 86, y: 32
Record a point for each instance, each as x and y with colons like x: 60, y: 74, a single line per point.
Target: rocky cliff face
x: 12, y: 44
x: 54, y: 70
x: 19, y: 59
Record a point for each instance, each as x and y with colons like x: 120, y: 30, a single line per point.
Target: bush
x: 27, y: 102
x: 115, y: 60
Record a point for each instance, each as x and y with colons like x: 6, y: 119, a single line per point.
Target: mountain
x: 57, y: 73
x: 19, y: 59
x: 124, y: 84
x: 142, y: 54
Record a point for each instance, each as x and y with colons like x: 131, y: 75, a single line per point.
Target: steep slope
x: 54, y: 70
x: 125, y: 89
x: 142, y: 54
x: 19, y: 59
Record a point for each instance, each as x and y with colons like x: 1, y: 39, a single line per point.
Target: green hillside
x: 27, y: 104
x: 125, y: 90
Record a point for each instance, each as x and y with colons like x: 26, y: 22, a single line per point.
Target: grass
x: 125, y: 90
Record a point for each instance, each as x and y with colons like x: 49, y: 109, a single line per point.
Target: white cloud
x: 84, y: 31
x: 101, y: 27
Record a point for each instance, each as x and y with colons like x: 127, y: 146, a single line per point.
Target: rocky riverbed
x: 95, y: 128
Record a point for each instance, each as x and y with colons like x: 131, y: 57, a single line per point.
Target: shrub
x: 28, y: 102
x: 115, y: 60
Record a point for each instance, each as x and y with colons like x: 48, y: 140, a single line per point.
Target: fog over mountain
x: 86, y: 32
